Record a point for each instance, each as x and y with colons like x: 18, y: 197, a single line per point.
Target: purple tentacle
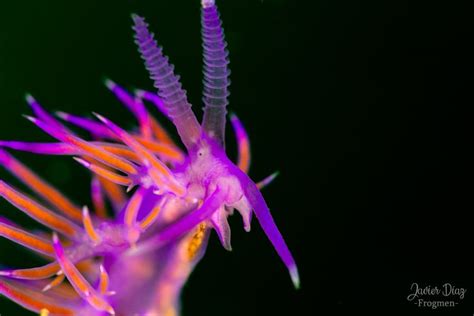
x: 42, y: 113
x: 262, y: 212
x: 87, y: 124
x: 167, y: 83
x: 134, y: 104
x: 152, y: 97
x: 216, y: 73
x: 40, y: 148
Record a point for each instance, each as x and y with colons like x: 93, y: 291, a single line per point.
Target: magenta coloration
x: 165, y: 200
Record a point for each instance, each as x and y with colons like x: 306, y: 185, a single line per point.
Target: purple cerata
x: 165, y: 200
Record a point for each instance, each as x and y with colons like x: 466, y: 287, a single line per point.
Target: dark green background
x: 360, y: 105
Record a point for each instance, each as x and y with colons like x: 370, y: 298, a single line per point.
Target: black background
x: 361, y: 105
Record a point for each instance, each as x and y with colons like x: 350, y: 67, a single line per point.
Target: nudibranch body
x: 165, y: 200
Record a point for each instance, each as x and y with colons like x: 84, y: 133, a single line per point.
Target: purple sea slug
x: 165, y: 200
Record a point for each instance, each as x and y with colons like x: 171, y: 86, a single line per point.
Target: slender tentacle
x: 26, y: 239
x: 80, y: 284
x: 39, y: 212
x: 50, y: 194
x: 86, y: 147
x: 131, y: 211
x: 34, y: 300
x: 158, y: 171
x: 105, y: 173
x: 97, y: 197
x: 40, y: 148
x: 152, y: 216
x: 89, y: 226
x: 114, y: 192
x: 185, y: 224
x: 262, y: 212
x: 42, y: 113
x: 55, y: 282
x: 269, y: 179
x: 153, y: 98
x: 87, y: 124
x: 36, y: 273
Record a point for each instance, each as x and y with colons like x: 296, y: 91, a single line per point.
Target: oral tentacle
x: 221, y: 226
x: 262, y: 212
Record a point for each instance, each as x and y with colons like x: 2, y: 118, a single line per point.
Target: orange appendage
x: 33, y: 299
x: 119, y: 150
x: 26, y: 239
x: 132, y: 208
x: 88, y: 226
x: 105, y: 173
x: 45, y: 190
x: 97, y: 198
x: 80, y: 284
x: 98, y: 153
x: 56, y: 281
x: 163, y: 149
x: 114, y: 193
x: 38, y: 212
x: 38, y: 273
x: 160, y: 133
x: 145, y: 155
x: 151, y: 217
x: 244, y: 155
x: 104, y: 281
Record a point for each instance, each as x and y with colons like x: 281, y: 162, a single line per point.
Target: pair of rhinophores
x: 165, y: 200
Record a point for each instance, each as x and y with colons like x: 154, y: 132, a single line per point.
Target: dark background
x: 361, y: 105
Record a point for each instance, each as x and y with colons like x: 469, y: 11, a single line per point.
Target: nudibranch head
x: 135, y: 257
